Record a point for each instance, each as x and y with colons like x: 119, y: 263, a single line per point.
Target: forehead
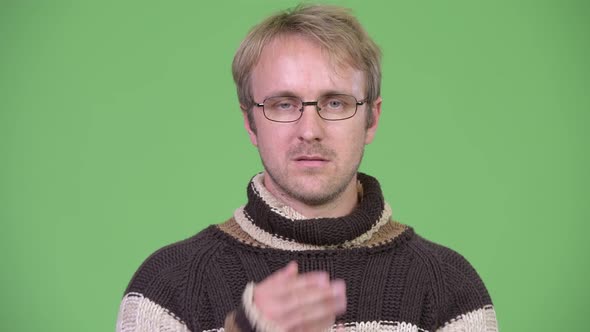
x: 301, y: 66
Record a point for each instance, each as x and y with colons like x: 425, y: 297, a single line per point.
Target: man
x: 315, y: 247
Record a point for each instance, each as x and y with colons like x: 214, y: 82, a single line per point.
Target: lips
x: 311, y: 161
x: 310, y: 158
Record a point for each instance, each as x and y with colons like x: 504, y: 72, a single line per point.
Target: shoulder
x: 171, y: 261
x: 154, y: 295
x: 448, y: 266
x: 443, y: 257
x: 457, y: 289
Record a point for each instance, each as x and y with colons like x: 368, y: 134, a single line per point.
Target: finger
x: 310, y: 301
x: 315, y: 306
x: 273, y: 288
x: 289, y: 291
x: 324, y: 301
x: 281, y: 277
x: 287, y: 286
x: 314, y: 287
x: 338, y: 288
x: 288, y: 271
x: 318, y: 279
x: 316, y: 316
x: 321, y: 305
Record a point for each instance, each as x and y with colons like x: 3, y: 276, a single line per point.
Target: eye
x: 282, y: 104
x: 335, y: 103
x: 285, y: 106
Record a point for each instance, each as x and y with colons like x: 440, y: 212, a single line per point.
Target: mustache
x: 313, y: 149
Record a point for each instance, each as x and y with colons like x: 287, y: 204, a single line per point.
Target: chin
x: 317, y: 193
x: 313, y: 186
x: 315, y: 198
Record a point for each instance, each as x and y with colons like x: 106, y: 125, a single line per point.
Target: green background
x: 120, y: 132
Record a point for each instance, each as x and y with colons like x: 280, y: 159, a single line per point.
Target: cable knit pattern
x: 395, y: 279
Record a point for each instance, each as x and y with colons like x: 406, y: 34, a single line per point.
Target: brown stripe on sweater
x: 387, y: 233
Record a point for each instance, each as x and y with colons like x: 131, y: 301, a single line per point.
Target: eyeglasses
x: 332, y: 107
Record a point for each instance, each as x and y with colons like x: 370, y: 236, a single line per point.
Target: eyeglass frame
x: 312, y: 103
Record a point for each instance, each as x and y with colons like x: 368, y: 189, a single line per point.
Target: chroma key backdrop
x: 120, y: 132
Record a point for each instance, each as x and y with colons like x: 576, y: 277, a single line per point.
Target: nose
x: 310, y: 127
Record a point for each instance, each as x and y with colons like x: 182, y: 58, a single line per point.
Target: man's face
x: 311, y: 161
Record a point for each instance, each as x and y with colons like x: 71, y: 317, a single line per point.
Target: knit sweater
x: 395, y: 279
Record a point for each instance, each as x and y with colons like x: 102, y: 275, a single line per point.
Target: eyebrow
x: 288, y: 93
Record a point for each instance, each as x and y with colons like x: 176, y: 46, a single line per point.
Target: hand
x: 300, y: 302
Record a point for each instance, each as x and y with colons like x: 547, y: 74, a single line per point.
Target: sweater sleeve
x: 139, y: 313
x: 467, y: 305
x: 236, y: 321
x: 247, y: 318
x: 150, y: 302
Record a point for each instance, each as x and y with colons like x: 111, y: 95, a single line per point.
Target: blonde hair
x: 339, y: 34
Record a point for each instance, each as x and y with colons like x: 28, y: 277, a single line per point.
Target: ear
x: 376, y: 114
x: 248, y: 126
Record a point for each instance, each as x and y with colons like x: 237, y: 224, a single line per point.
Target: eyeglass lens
x: 329, y: 107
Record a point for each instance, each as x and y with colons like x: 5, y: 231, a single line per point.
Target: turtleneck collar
x: 268, y: 220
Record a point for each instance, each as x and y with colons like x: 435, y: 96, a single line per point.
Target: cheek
x: 353, y: 146
x: 271, y: 145
x: 352, y: 137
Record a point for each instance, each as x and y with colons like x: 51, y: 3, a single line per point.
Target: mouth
x: 311, y: 160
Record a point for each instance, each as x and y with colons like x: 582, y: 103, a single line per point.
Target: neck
x: 340, y: 206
